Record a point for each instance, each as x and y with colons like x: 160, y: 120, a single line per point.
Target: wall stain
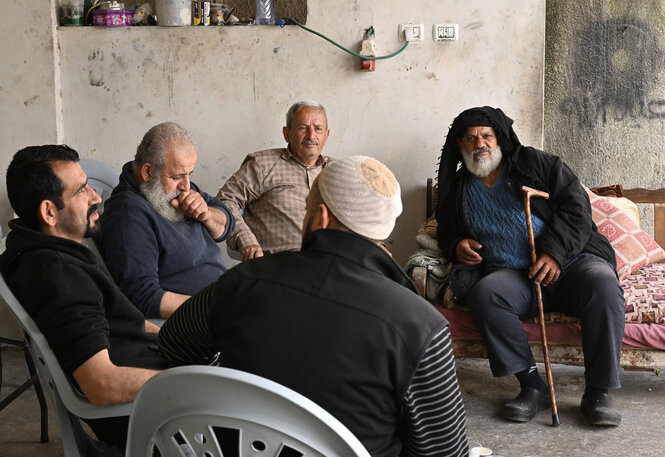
x: 118, y: 60
x: 96, y: 54
x: 611, y: 71
x: 96, y: 75
x: 474, y: 25
x: 31, y: 100
x: 94, y: 79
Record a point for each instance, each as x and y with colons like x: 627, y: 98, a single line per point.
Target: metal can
x: 200, y: 13
x: 72, y: 13
x: 216, y: 14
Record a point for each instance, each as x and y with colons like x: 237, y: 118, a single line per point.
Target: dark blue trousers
x: 587, y: 288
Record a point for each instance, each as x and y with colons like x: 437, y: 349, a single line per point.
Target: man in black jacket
x: 481, y: 226
x: 339, y: 322
x: 102, y: 342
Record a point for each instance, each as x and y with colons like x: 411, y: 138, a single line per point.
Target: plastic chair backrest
x: 101, y: 177
x: 66, y: 400
x: 213, y: 412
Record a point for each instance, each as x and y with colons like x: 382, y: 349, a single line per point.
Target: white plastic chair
x: 32, y: 380
x: 207, y: 411
x: 101, y: 177
x: 68, y: 402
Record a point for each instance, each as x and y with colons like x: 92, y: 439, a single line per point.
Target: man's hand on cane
x: 545, y: 271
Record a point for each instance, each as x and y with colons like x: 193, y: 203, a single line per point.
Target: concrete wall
x: 27, y: 95
x: 232, y: 85
x: 604, y: 91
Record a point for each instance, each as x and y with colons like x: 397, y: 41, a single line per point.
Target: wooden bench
x: 632, y: 358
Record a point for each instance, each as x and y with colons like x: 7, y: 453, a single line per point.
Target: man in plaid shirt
x: 267, y: 194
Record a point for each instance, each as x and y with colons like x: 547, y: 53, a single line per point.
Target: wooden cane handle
x: 535, y: 193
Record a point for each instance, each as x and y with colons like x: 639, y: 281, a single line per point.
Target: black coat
x: 339, y: 322
x: 569, y: 230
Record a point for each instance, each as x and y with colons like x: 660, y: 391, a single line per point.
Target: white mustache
x: 174, y: 195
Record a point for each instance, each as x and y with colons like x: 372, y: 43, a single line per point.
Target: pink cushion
x: 632, y: 246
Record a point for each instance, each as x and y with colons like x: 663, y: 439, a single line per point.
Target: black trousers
x: 111, y: 431
x: 587, y: 288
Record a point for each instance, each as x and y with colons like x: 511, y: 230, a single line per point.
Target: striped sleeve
x: 434, y: 411
x: 185, y: 337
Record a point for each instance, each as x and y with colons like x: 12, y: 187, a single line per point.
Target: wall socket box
x: 417, y: 32
x: 445, y: 32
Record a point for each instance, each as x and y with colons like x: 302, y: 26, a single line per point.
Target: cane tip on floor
x: 555, y: 420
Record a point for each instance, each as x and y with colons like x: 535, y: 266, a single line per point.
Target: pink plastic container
x: 113, y: 18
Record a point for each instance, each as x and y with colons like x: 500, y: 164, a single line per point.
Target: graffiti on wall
x: 613, y: 66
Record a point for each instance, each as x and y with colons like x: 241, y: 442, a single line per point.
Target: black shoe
x: 525, y: 406
x: 599, y: 411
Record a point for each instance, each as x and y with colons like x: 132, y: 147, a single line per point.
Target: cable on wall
x: 369, y: 33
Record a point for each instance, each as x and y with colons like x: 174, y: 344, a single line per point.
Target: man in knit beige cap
x: 336, y: 195
x: 338, y: 322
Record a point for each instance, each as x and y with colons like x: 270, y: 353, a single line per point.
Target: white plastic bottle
x: 265, y: 12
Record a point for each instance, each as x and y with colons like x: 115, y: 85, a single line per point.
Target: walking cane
x: 528, y: 193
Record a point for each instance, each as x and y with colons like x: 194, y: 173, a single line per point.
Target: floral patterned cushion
x: 632, y: 246
x: 644, y: 292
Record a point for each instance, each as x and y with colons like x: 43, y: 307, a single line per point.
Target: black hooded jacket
x: 567, y: 213
x: 72, y: 298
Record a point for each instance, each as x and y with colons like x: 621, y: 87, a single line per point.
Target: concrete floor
x: 641, y: 401
x: 19, y: 421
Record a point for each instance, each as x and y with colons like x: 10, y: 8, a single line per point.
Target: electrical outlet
x: 445, y: 32
x: 417, y: 32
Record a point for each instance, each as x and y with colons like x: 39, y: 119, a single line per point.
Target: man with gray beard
x: 482, y: 228
x: 159, y: 231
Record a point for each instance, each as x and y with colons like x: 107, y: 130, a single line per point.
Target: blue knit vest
x: 499, y: 222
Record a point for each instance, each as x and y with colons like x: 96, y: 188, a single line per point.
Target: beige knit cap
x: 363, y: 194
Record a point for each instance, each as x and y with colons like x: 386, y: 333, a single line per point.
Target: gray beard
x: 484, y: 168
x: 161, y: 201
